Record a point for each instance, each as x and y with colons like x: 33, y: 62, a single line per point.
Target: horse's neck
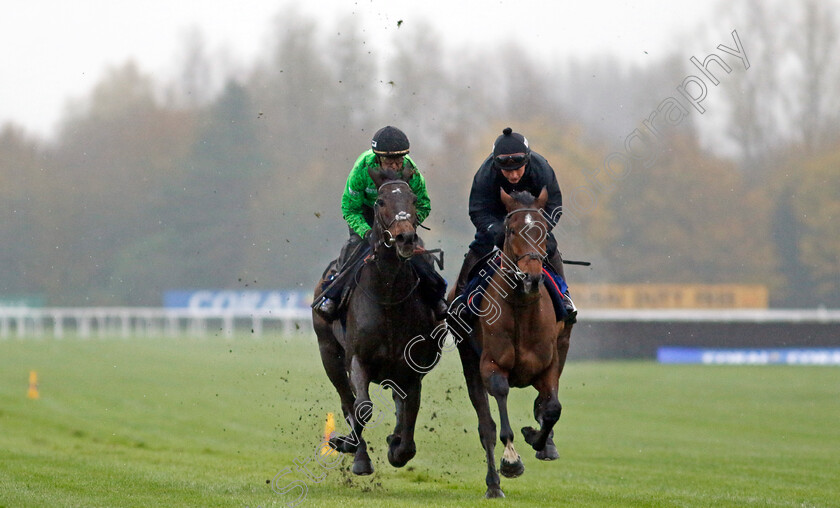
x: 511, y: 296
x: 389, y: 272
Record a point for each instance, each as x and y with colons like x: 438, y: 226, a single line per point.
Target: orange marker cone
x: 33, y: 385
x: 329, y: 432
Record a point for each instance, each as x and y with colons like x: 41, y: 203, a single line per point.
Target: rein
x: 385, y: 303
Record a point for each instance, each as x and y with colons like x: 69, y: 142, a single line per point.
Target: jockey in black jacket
x: 513, y: 167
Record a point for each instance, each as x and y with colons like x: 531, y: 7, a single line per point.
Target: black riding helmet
x: 389, y: 142
x: 508, y: 144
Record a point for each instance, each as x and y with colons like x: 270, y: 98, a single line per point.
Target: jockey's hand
x: 498, y: 234
x: 499, y: 238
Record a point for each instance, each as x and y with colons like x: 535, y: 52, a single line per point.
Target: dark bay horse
x: 384, y: 314
x: 516, y: 342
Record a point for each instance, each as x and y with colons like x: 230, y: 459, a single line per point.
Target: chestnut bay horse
x: 517, y: 341
x: 385, y: 312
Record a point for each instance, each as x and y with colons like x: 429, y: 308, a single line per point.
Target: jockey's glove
x: 498, y: 230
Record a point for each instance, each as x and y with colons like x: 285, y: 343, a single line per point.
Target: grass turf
x: 192, y: 422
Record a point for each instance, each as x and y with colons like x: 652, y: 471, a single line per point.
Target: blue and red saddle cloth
x: 482, y: 273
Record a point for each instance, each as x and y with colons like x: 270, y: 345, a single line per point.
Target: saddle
x: 339, y: 284
x: 343, y: 280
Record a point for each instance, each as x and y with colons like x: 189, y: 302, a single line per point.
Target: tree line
x: 231, y: 178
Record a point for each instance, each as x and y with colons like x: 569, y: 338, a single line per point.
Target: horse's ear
x: 408, y: 173
x: 508, y: 201
x: 376, y: 176
x: 542, y: 199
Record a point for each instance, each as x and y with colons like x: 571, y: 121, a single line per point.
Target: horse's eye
x: 414, y: 200
x: 380, y: 202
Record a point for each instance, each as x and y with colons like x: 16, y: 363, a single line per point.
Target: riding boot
x: 555, y: 261
x: 441, y: 310
x: 351, y: 251
x: 471, y: 258
x: 571, y: 309
x: 432, y: 286
x: 327, y: 309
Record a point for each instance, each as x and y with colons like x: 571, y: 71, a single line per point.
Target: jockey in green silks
x: 389, y: 151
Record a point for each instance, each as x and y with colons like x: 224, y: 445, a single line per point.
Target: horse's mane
x: 523, y: 197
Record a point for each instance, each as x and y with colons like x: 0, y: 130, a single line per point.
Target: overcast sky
x: 55, y: 50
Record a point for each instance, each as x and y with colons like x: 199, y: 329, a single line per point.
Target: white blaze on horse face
x: 396, y: 190
x: 528, y: 218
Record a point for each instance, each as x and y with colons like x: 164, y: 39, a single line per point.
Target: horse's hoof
x: 494, y: 493
x: 530, y: 434
x: 548, y: 453
x: 362, y: 468
x: 398, y: 457
x: 511, y: 469
x: 342, y: 445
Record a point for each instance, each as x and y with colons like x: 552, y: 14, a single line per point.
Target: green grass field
x: 191, y: 422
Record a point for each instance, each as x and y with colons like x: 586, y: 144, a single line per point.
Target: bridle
x: 531, y: 254
x: 512, y: 269
x: 402, y: 215
x: 389, y: 242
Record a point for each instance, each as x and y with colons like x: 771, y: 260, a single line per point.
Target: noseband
x: 399, y: 217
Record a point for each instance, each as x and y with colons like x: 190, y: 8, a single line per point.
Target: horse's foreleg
x: 547, y: 408
x: 394, y: 438
x: 547, y: 411
x: 511, y: 464
x: 401, y: 447
x: 486, y: 425
x: 549, y: 452
x: 362, y: 411
x: 563, y: 339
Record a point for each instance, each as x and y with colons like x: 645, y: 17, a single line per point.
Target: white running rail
x: 128, y: 322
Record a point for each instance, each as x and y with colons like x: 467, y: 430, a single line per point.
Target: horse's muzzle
x: 530, y: 284
x: 405, y: 243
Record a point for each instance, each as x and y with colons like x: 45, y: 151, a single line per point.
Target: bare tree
x: 813, y: 44
x: 756, y: 102
x: 196, y: 82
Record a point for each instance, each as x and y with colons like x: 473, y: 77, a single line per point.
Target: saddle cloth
x: 479, y: 279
